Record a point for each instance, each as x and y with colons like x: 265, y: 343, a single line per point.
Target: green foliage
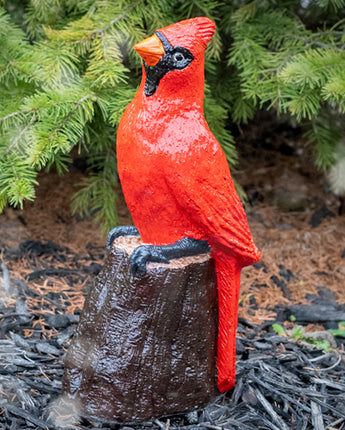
x: 298, y: 333
x: 291, y: 58
x: 340, y: 331
x: 279, y: 329
x: 68, y: 71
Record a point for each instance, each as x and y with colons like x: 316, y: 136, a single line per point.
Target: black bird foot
x: 145, y: 254
x: 185, y: 247
x: 124, y: 230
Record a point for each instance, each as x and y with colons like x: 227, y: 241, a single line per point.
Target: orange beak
x: 151, y: 50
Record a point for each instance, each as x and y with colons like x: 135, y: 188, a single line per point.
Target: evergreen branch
x: 115, y: 20
x: 66, y: 118
x: 324, y: 32
x: 14, y: 65
x: 74, y: 33
x: 80, y: 101
x: 8, y: 116
x: 17, y: 138
x: 328, y: 46
x: 124, y: 14
x: 309, y: 41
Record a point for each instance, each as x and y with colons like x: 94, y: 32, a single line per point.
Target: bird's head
x: 174, y: 56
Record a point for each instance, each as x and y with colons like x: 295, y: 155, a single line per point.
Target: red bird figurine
x: 175, y: 176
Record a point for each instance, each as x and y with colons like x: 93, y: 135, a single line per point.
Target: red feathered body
x: 177, y: 182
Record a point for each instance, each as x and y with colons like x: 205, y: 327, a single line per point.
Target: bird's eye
x: 178, y: 56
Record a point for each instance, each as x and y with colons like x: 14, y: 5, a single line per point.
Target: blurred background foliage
x: 68, y: 71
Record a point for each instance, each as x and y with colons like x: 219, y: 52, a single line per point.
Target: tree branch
x: 16, y: 140
x: 63, y: 122
x: 8, y: 116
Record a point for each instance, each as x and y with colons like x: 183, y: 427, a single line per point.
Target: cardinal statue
x: 175, y: 177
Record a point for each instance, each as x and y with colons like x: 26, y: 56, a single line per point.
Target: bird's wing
x: 205, y: 191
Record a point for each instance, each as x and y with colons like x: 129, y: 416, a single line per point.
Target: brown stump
x: 145, y: 346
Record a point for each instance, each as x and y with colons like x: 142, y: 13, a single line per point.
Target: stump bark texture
x: 145, y: 346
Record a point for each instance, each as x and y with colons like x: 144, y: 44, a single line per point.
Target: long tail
x: 228, y: 280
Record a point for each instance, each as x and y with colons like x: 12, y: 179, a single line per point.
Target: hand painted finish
x: 174, y: 174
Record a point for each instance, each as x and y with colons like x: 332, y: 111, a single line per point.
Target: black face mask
x: 174, y: 58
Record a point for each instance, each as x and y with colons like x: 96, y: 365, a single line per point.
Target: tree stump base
x: 145, y: 346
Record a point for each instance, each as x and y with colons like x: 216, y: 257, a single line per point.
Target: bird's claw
x: 112, y: 235
x: 145, y: 254
x: 124, y: 230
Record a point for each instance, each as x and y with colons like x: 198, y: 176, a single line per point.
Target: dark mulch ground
x: 49, y: 258
x: 281, y: 384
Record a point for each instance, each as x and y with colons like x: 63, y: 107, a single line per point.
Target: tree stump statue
x: 147, y: 339
x: 145, y: 346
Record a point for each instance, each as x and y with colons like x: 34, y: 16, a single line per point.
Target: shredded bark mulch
x: 280, y: 384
